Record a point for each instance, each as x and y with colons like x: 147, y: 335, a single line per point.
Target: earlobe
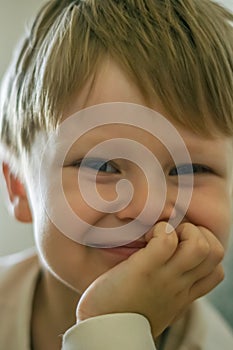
x: 17, y: 195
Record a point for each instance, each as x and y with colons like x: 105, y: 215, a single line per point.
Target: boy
x: 174, y: 57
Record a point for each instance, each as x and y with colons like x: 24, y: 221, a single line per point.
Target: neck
x: 53, y: 313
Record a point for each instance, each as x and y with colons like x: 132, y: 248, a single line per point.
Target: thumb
x: 161, y: 244
x: 160, y: 227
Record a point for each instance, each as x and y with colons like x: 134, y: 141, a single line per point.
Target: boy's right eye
x: 100, y: 165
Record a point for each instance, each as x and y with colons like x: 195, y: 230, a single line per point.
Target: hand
x: 160, y: 280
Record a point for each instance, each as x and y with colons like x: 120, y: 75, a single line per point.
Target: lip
x: 126, y: 250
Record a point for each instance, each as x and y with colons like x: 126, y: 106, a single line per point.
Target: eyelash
x: 189, y: 169
x: 96, y: 164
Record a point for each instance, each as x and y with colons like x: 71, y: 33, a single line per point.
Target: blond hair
x: 179, y: 52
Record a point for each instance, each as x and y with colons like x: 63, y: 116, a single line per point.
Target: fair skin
x: 185, y: 263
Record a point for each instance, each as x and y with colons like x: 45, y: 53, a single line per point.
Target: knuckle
x: 220, y: 274
x: 216, y: 249
x: 168, y: 240
x: 185, y: 226
x: 202, y: 248
x: 218, y: 252
x: 171, y: 242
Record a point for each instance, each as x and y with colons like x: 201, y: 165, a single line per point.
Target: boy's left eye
x: 97, y: 164
x: 189, y: 169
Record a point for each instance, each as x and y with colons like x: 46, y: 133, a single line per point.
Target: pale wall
x: 14, y: 17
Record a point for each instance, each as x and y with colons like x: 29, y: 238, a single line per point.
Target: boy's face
x: 78, y: 265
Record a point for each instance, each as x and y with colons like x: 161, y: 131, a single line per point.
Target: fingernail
x: 169, y: 228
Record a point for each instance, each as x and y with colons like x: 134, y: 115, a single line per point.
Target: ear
x: 17, y: 195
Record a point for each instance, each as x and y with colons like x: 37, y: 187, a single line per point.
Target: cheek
x: 213, y: 211
x: 73, y: 264
x: 83, y: 210
x: 221, y: 225
x: 82, y: 203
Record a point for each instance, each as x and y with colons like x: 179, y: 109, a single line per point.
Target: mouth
x: 126, y: 250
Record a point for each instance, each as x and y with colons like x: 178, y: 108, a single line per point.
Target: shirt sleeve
x: 120, y: 331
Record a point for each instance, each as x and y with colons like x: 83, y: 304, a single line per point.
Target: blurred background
x: 15, y: 16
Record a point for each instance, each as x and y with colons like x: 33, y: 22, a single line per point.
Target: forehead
x: 216, y: 147
x: 109, y: 84
x: 112, y: 83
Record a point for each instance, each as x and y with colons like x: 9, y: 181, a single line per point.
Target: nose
x: 150, y: 203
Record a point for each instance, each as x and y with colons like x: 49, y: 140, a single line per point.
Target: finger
x: 206, y: 284
x: 215, y: 256
x: 193, y: 248
x: 216, y: 253
x: 161, y: 246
